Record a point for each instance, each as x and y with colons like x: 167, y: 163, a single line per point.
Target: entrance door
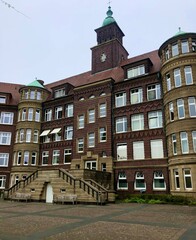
x: 49, y: 193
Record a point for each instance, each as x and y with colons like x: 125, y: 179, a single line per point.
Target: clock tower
x: 109, y: 51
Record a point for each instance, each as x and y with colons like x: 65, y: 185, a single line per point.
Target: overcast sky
x: 51, y: 39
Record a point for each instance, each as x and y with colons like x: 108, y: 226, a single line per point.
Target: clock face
x: 103, y: 57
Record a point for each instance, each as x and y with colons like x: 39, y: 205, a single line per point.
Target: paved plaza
x: 34, y: 221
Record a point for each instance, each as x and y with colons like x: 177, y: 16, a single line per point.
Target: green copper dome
x: 180, y: 32
x: 35, y: 83
x: 109, y: 19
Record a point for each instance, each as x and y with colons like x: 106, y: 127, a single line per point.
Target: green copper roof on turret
x: 180, y: 32
x: 35, y: 83
x: 109, y: 19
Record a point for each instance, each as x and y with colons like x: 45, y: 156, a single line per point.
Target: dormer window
x: 59, y: 93
x: 136, y: 71
x: 2, y: 99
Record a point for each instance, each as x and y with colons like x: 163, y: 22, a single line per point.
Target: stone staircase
x: 62, y: 183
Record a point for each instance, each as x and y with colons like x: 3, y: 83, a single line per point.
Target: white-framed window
x: 176, y: 179
x: 68, y: 132
x: 91, y: 140
x: 102, y: 134
x: 16, y: 179
x: 102, y: 110
x: 35, y: 136
x: 39, y: 95
x: 6, y: 118
x: 137, y: 122
x: 174, y: 144
x: 24, y: 111
x: 2, y: 99
x: 171, y: 111
x: 136, y: 71
x: 121, y: 151
x: 136, y: 95
x: 69, y: 110
x: 159, y: 181
x: 48, y: 115
x: 121, y: 124
x: 19, y: 158
x: 193, y: 45
x: 2, y: 181
x: 91, y: 115
x: 138, y: 150
x: 32, y: 94
x: 21, y: 135
x: 81, y: 121
x: 154, y: 92
x: 103, y: 167
x: 92, y: 165
x: 184, y: 142
x: 5, y: 138
x: 139, y: 181
x: 192, y: 106
x: 187, y: 179
x: 194, y: 140
x: 122, y: 181
x: 67, y: 156
x: 156, y: 148
x: 45, y: 157
x: 168, y: 81
x: 180, y: 106
x: 57, y: 137
x: 37, y: 115
x: 30, y: 114
x: 188, y: 75
x: 59, y: 93
x: 4, y: 159
x: 120, y: 99
x: 28, y: 135
x: 58, y: 112
x: 185, y: 46
x: 26, y: 158
x: 46, y: 139
x: 175, y: 50
x: 155, y: 119
x: 33, y: 158
x: 56, y: 157
x: 177, y: 77
x: 26, y: 94
x: 80, y: 146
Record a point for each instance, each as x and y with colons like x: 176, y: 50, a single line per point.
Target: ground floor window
x: 45, y: 157
x: 187, y: 179
x: 176, y: 179
x: 92, y: 165
x: 139, y: 181
x: 159, y: 181
x: 2, y: 181
x: 122, y: 181
x: 67, y: 156
x: 56, y: 157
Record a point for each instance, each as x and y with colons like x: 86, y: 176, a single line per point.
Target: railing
x: 67, y: 177
x: 103, y: 190
x: 21, y: 184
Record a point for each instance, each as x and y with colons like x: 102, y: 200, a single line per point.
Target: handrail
x: 98, y: 186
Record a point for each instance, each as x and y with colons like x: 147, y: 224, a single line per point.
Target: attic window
x: 136, y: 71
x: 2, y: 99
x: 59, y: 93
x: 92, y: 96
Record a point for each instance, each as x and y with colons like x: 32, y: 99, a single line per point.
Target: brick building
x: 126, y: 126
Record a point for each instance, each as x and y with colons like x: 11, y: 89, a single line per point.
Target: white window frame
x: 120, y: 99
x: 68, y: 132
x: 58, y: 112
x: 30, y: 114
x: 48, y: 115
x: 174, y: 143
x: 156, y: 146
x: 136, y: 95
x: 180, y: 107
x: 80, y: 145
x: 26, y: 158
x: 184, y: 142
x: 171, y: 111
x: 122, y: 177
x: 24, y: 111
x: 185, y: 46
x: 177, y: 78
x: 59, y: 93
x: 158, y: 176
x: 136, y: 71
x: 6, y: 118
x: 4, y: 159
x: 69, y: 110
x: 37, y: 115
x: 192, y: 106
x: 45, y: 155
x: 137, y: 122
x: 67, y: 153
x: 5, y: 138
x: 187, y: 175
x: 102, y: 134
x: 2, y: 99
x: 2, y: 181
x: 175, y: 50
x: 91, y: 165
x: 81, y: 121
x: 188, y: 75
x: 168, y: 81
x: 35, y: 136
x: 19, y: 158
x: 28, y: 135
x: 91, y: 115
x: 102, y: 110
x: 194, y: 140
x: 55, y: 157
x: 176, y: 179
x: 138, y: 150
x: 121, y: 124
x: 91, y: 140
x: 139, y: 179
x: 121, y: 151
x: 155, y: 119
x: 33, y: 158
x: 154, y: 92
